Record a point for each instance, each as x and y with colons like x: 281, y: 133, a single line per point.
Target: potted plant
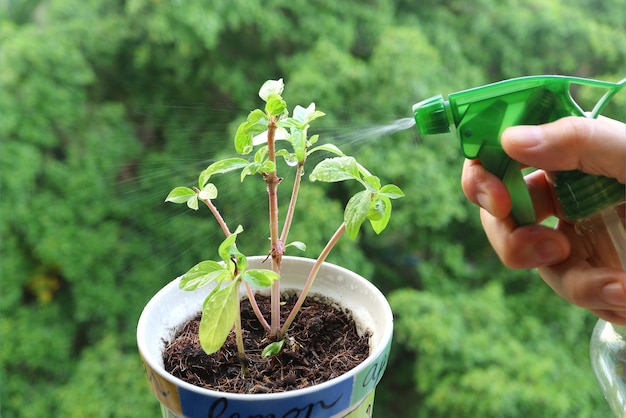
x: 200, y: 314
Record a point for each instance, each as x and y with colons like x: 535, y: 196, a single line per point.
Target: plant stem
x: 255, y: 308
x: 241, y: 353
x: 312, y: 274
x: 216, y: 214
x: 277, y: 248
x: 292, y: 203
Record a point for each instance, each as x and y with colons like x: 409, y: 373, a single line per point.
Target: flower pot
x: 349, y: 395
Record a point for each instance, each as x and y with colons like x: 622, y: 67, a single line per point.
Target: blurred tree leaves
x: 468, y: 365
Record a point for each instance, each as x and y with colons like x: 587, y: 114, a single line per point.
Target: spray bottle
x: 595, y: 204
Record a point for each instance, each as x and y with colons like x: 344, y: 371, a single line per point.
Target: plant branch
x: 292, y: 203
x: 312, y: 275
x: 255, y: 307
x: 216, y: 213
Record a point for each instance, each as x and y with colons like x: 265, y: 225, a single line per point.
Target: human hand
x: 595, y: 146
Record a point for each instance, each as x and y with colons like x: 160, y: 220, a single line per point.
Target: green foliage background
x: 107, y: 105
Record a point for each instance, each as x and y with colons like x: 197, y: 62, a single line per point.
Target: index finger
x: 571, y: 143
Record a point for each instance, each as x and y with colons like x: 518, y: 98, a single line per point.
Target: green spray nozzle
x: 481, y: 114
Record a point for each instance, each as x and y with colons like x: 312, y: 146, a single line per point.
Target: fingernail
x: 549, y: 252
x: 524, y: 136
x: 485, y: 202
x: 614, y: 294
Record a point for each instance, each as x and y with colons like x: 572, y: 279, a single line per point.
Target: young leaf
x: 379, y: 223
x: 243, y: 139
x: 327, y: 147
x: 290, y: 123
x: 298, y: 141
x: 192, y: 203
x: 222, y: 166
x: 372, y: 182
x: 228, y: 248
x: 289, y: 158
x: 306, y: 115
x: 180, y: 195
x: 335, y: 169
x: 391, y: 191
x: 273, y: 349
x: 260, y: 278
x: 250, y: 170
x: 256, y: 116
x: 271, y: 86
x: 275, y: 104
x: 376, y: 211
x: 202, y: 274
x: 356, y: 212
x: 267, y: 167
x: 218, y: 317
x: 259, y: 155
x: 300, y: 113
x: 208, y: 192
x: 298, y: 244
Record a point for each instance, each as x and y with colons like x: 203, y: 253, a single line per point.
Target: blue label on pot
x: 322, y: 404
x: 367, y: 379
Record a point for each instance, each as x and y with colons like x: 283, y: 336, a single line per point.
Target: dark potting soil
x: 322, y: 344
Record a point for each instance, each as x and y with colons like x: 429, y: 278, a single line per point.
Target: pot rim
x: 379, y: 350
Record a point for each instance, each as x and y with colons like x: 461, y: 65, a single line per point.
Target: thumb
x: 595, y: 146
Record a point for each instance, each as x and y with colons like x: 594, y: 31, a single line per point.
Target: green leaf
x: 372, y: 182
x: 208, y: 192
x: 298, y: 141
x: 249, y: 170
x: 259, y: 155
x: 327, y: 147
x: 300, y: 114
x: 383, y: 209
x: 289, y: 158
x: 260, y: 278
x: 356, y: 212
x: 271, y: 86
x: 243, y: 139
x: 220, y: 167
x: 272, y: 349
x: 306, y: 115
x: 290, y: 123
x: 391, y: 191
x: 219, y: 312
x: 228, y: 247
x: 376, y: 211
x: 180, y: 195
x: 267, y: 167
x: 298, y: 244
x: 192, y: 203
x: 335, y: 169
x: 257, y: 115
x: 202, y: 274
x: 275, y: 104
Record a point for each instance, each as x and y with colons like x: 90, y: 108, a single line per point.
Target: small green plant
x: 265, y: 130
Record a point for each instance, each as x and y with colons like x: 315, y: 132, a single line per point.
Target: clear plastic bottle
x: 597, y: 206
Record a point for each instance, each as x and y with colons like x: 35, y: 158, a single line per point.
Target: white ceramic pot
x: 350, y: 395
